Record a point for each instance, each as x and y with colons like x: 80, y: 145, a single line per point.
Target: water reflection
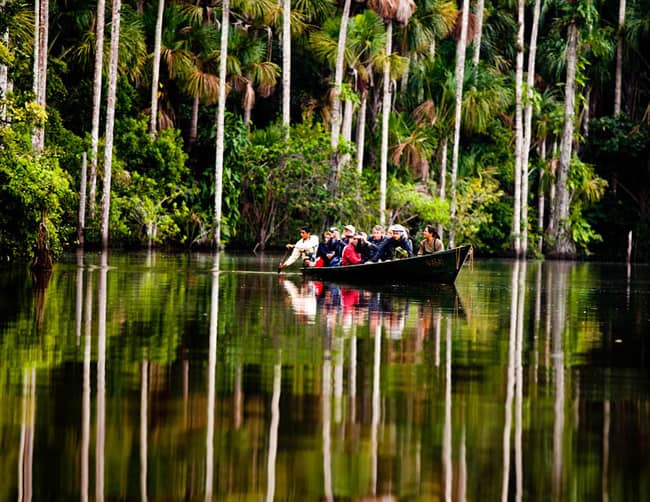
x: 206, y: 377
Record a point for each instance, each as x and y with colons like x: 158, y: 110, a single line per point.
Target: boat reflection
x: 349, y: 306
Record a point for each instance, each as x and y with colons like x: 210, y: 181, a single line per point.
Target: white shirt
x: 304, y: 248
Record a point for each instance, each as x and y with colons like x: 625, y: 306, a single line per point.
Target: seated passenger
x: 399, y: 245
x: 327, y: 249
x: 431, y: 242
x: 335, y: 248
x: 348, y: 232
x: 350, y: 254
x: 364, y: 248
x: 377, y: 237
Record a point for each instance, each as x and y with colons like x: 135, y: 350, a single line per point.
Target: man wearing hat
x: 348, y: 233
x: 399, y: 245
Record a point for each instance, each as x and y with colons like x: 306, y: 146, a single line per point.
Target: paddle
x: 286, y: 253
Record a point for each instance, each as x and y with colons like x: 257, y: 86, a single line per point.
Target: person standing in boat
x: 432, y: 243
x: 305, y: 248
x: 398, y: 245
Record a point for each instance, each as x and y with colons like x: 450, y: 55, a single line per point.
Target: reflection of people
x: 305, y: 248
x: 431, y: 242
x: 303, y: 300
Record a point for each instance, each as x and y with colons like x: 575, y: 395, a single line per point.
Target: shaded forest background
x: 414, y: 146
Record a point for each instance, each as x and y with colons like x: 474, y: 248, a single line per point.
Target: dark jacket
x: 387, y: 248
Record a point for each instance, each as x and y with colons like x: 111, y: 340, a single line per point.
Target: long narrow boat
x: 442, y: 267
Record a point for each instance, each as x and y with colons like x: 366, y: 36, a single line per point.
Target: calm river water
x: 135, y: 376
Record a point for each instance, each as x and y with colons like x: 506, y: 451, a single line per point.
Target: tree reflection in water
x: 318, y: 390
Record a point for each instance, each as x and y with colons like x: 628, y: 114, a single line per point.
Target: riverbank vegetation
x: 521, y: 127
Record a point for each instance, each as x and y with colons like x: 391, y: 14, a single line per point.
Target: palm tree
x: 221, y: 110
x: 17, y: 24
x: 519, y: 135
x: 338, y: 79
x: 618, y: 86
x: 97, y: 100
x: 564, y: 247
x: 41, y: 44
x: 251, y: 71
x: 110, y: 121
x: 286, y: 65
x: 528, y: 120
x: 3, y: 69
x: 461, y: 45
x: 480, y: 4
x: 153, y: 123
x: 389, y: 10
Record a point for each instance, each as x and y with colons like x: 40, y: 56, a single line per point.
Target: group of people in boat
x: 354, y: 248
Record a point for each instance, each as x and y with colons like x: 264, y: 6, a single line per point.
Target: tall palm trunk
x: 110, y: 121
x: 338, y: 79
x: 618, y: 86
x: 194, y: 123
x: 348, y: 115
x: 386, y: 106
x: 361, y: 130
x: 4, y: 74
x: 41, y: 14
x: 461, y: 46
x: 564, y: 247
x: 519, y: 136
x: 286, y: 65
x: 479, y: 30
x: 443, y: 175
x: 528, y: 120
x: 97, y: 101
x: 541, y: 201
x: 153, y: 123
x: 221, y: 114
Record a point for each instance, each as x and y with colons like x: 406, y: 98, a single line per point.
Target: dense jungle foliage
x: 274, y: 179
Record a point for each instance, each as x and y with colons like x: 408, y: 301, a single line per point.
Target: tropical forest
x: 520, y: 127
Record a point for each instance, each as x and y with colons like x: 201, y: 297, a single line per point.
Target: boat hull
x: 442, y: 267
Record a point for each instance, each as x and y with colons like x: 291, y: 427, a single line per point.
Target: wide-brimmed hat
x: 350, y: 228
x: 397, y: 228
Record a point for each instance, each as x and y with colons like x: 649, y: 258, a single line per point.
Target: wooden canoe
x: 442, y: 267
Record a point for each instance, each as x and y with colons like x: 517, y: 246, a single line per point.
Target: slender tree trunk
x: 247, y: 115
x: 361, y: 131
x: 443, y: 176
x: 286, y: 65
x: 4, y: 75
x: 194, y: 124
x: 519, y: 134
x: 552, y: 188
x: 97, y: 102
x: 221, y: 114
x: 586, y: 116
x: 153, y: 123
x: 479, y: 31
x: 461, y: 45
x: 81, y: 227
x: 41, y: 14
x: 383, y: 166
x: 110, y: 121
x: 564, y: 247
x: 618, y: 86
x: 348, y: 115
x: 338, y: 80
x: 541, y: 200
x: 443, y: 167
x: 528, y: 119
